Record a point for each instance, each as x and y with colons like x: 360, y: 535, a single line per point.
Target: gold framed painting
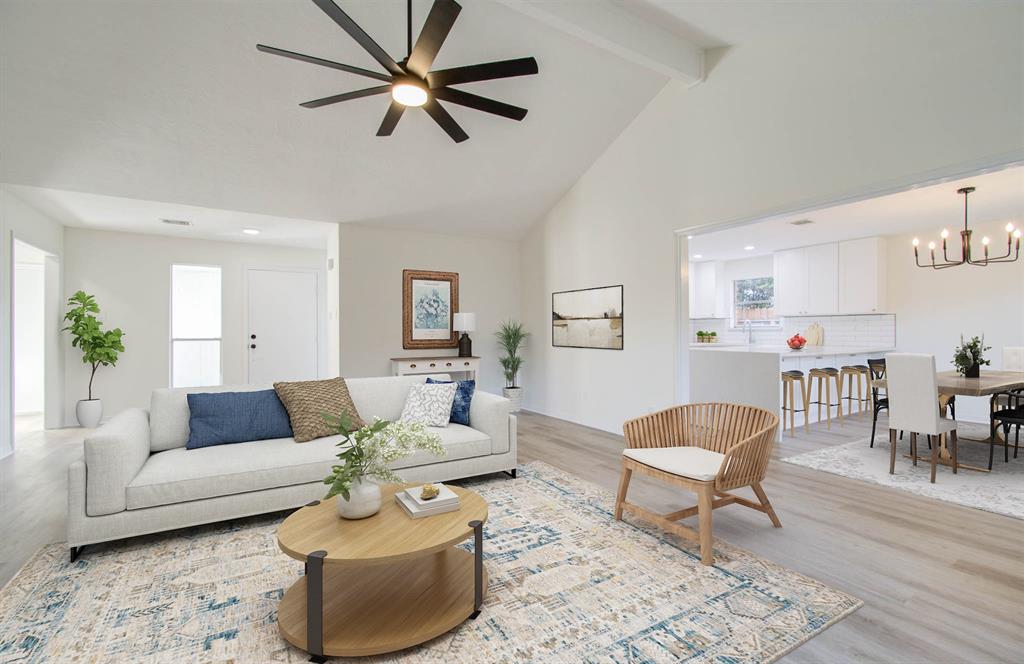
x: 430, y: 301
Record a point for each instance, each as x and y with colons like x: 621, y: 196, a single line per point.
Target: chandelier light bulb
x: 931, y: 245
x: 1009, y: 228
x: 985, y: 240
x: 916, y: 242
x: 1017, y: 234
x: 945, y: 233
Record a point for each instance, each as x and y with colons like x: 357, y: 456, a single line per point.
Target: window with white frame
x: 753, y: 301
x: 195, y: 325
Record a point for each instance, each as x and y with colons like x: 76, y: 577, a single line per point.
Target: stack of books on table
x: 415, y: 506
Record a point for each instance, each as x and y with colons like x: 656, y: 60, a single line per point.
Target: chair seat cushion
x: 181, y: 475
x: 693, y: 462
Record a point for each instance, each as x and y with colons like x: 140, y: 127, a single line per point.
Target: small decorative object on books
x: 969, y: 356
x: 587, y: 318
x: 429, y: 492
x: 417, y: 506
x: 429, y: 303
x: 366, y: 453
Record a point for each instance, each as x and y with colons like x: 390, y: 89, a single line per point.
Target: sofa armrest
x: 489, y: 413
x: 114, y: 455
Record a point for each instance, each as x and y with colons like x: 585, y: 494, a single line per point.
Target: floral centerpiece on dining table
x: 969, y: 356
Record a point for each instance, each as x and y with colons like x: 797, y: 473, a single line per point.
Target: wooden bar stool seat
x: 827, y: 377
x: 789, y: 381
x: 861, y: 394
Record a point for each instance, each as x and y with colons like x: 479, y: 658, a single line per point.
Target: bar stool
x: 827, y: 376
x: 860, y: 374
x: 789, y: 380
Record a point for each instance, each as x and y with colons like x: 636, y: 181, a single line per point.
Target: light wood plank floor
x: 941, y: 583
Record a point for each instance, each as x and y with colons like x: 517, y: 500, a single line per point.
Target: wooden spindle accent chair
x: 707, y: 448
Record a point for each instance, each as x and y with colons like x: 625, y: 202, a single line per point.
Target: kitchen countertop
x: 785, y: 350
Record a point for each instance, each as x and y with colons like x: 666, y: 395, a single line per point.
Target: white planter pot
x: 363, y: 501
x: 89, y: 412
x: 515, y: 395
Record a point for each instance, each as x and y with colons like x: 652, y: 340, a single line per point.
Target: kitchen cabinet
x: 807, y: 280
x: 707, y: 280
x: 862, y: 276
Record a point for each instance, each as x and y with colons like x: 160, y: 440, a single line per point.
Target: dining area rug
x: 566, y: 583
x: 1000, y: 491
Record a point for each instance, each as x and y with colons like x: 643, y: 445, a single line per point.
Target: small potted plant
x: 511, y: 337
x: 712, y: 337
x: 366, y: 453
x: 99, y: 347
x: 702, y: 336
x: 969, y: 356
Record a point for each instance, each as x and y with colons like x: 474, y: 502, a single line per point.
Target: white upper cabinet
x: 806, y: 280
x: 862, y: 276
x: 706, y: 281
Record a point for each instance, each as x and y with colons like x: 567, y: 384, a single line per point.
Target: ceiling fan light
x: 409, y: 94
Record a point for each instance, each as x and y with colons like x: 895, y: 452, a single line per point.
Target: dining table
x: 987, y: 384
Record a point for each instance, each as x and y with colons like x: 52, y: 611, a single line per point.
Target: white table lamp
x: 465, y: 323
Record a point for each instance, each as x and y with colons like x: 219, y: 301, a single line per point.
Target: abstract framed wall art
x: 429, y: 302
x: 587, y: 318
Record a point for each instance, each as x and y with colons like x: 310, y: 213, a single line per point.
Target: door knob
x: 252, y: 336
x: 252, y: 345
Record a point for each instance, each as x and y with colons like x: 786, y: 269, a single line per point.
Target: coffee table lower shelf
x: 384, y: 608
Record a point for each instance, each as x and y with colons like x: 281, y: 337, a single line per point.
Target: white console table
x: 404, y: 366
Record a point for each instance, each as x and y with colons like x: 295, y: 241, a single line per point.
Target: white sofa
x: 136, y: 476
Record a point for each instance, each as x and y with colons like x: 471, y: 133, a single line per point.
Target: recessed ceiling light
x: 698, y: 256
x: 177, y: 222
x: 250, y: 231
x: 749, y: 247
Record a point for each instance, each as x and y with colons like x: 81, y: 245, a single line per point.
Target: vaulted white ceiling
x: 171, y: 102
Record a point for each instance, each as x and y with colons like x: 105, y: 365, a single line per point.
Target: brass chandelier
x: 1011, y: 255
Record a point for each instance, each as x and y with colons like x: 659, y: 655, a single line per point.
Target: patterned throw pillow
x: 463, y: 399
x: 429, y: 405
x: 308, y: 400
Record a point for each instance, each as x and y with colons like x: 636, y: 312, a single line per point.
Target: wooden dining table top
x: 989, y: 382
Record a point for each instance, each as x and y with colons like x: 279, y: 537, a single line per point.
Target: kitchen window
x: 195, y: 325
x: 753, y: 300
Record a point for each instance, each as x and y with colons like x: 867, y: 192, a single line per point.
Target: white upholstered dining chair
x: 911, y: 387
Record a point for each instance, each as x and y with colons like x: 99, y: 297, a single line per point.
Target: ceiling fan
x: 410, y: 81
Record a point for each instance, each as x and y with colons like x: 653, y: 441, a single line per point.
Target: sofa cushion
x: 382, y: 397
x: 430, y: 405
x: 463, y: 400
x: 181, y: 475
x: 235, y: 417
x: 308, y: 401
x: 169, y: 415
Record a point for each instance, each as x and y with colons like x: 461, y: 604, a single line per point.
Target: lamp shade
x: 464, y: 322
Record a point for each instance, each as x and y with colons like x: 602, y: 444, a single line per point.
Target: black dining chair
x: 1011, y: 416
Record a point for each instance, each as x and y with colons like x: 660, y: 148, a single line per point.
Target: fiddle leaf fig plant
x: 99, y: 347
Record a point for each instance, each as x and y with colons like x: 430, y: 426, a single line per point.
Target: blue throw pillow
x: 463, y: 397
x: 218, y: 418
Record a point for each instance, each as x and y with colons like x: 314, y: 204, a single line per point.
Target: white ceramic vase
x: 515, y: 395
x: 363, y: 500
x: 89, y: 412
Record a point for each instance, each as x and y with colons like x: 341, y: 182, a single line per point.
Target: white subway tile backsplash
x: 872, y: 330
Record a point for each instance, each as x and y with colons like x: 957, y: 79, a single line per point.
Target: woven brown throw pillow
x: 308, y: 400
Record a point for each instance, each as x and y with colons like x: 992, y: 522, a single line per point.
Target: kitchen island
x: 751, y: 374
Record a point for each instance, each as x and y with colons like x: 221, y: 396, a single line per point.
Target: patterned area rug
x: 567, y: 584
x: 1001, y: 491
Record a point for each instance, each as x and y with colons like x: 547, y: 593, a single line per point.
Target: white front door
x: 283, y: 336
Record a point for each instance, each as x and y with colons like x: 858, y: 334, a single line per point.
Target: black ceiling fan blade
x: 323, y: 63
x: 355, y: 32
x: 447, y: 122
x: 480, y: 103
x: 482, y: 72
x: 391, y: 118
x: 345, y: 96
x: 435, y: 30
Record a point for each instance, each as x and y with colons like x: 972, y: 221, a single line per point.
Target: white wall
x: 130, y: 275
x: 934, y: 307
x: 372, y: 261
x: 20, y: 221
x: 29, y: 336
x: 853, y: 100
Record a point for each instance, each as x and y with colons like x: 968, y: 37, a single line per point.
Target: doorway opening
x: 29, y: 340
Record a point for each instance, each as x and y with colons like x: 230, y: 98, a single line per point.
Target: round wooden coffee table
x: 383, y: 583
